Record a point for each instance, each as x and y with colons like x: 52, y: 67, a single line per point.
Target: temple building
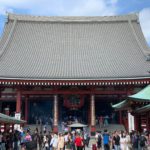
x: 137, y: 107
x: 71, y: 66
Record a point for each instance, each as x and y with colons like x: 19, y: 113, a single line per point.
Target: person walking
x: 99, y: 141
x: 101, y: 122
x: 106, y: 139
x: 55, y: 142
x: 60, y: 141
x: 116, y: 140
x: 78, y: 142
x: 123, y: 141
x: 143, y: 142
x: 135, y: 141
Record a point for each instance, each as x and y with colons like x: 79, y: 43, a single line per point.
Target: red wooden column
x: 92, y: 108
x: 149, y: 121
x: 55, y: 116
x: 26, y: 108
x: 89, y: 114
x: 18, y: 102
x: 136, y: 121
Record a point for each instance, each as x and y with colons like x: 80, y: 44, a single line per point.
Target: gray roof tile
x: 73, y: 48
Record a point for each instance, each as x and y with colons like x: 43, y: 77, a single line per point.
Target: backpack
x: 99, y: 140
x: 106, y: 138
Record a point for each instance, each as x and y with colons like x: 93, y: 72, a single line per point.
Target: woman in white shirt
x: 55, y: 142
x: 123, y: 141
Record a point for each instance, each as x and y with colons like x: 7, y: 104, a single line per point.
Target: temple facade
x: 71, y: 65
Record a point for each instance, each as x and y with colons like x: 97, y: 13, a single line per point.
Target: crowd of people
x: 73, y: 140
x: 25, y: 140
x: 121, y: 140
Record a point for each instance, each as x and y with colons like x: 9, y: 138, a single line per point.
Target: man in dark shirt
x: 135, y: 141
x: 116, y: 140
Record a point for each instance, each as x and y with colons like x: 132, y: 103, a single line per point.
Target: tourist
x: 16, y: 140
x: 86, y: 139
x: 1, y: 140
x: 73, y: 140
x: 96, y: 136
x: 123, y: 141
x: 55, y: 142
x: 36, y: 139
x: 61, y: 141
x: 51, y: 141
x: 99, y: 141
x: 135, y: 141
x: 116, y: 140
x: 101, y: 121
x: 111, y: 140
x: 143, y: 142
x: 46, y: 142
x: 106, y: 140
x: 148, y: 141
x: 128, y: 140
x: 68, y: 145
x: 106, y: 120
x: 78, y: 142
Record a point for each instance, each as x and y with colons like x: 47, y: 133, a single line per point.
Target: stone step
x: 111, y: 127
x: 32, y: 127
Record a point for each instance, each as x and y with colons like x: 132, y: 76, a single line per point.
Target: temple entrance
x: 78, y: 115
x: 41, y: 110
x: 103, y: 108
x: 74, y: 109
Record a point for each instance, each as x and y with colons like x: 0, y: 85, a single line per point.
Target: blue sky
x: 79, y: 8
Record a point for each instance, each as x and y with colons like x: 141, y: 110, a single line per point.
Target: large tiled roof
x: 95, y: 48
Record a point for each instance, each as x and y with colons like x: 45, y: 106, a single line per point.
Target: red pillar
x: 26, y: 108
x: 136, y: 121
x: 18, y: 102
x: 147, y: 122
x: 89, y: 114
x: 92, y: 108
x: 55, y: 116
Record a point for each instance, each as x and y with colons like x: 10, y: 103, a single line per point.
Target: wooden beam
x: 18, y: 101
x: 7, y: 99
x: 52, y: 92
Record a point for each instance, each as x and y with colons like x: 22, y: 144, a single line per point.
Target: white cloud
x: 61, y: 7
x: 145, y: 23
x: 95, y: 7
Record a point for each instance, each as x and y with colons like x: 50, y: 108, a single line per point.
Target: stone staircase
x: 111, y: 127
x: 32, y: 127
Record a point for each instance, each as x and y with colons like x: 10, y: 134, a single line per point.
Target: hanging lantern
x: 73, y: 102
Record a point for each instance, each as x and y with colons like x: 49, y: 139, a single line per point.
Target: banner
x: 17, y: 116
x: 131, y: 122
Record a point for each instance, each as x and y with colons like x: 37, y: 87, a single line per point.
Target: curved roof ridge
x: 8, y: 38
x: 133, y: 17
x: 145, y: 52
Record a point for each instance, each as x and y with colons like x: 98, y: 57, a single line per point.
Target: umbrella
x: 7, y: 119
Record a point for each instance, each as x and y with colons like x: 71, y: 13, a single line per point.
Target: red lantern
x: 73, y: 101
